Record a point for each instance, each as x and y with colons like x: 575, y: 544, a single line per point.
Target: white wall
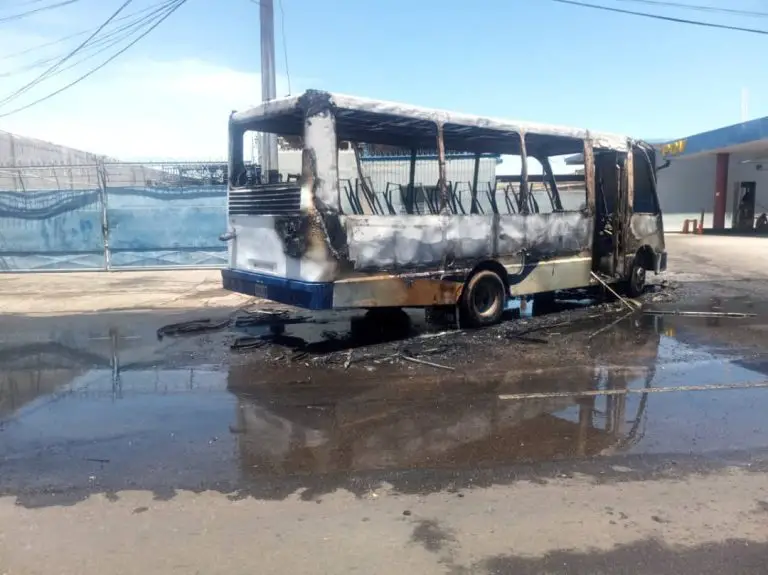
x: 20, y: 151
x: 289, y: 162
x: 685, y: 188
x: 688, y: 185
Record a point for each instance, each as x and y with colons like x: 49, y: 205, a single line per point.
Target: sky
x: 169, y: 96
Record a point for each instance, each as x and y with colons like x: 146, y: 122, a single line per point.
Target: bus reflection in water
x: 372, y: 425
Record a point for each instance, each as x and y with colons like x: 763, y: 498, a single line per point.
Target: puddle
x: 99, y: 409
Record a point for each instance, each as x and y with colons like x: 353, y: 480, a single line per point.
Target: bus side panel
x: 395, y: 291
x: 258, y: 247
x: 551, y: 275
x: 546, y: 235
x: 647, y: 230
x: 379, y: 243
x: 399, y: 243
x: 408, y: 256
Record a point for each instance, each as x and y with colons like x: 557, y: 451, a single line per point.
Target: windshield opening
x: 248, y: 149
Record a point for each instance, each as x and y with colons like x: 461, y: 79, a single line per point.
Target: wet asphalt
x: 100, y: 404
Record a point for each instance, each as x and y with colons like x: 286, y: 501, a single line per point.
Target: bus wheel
x: 636, y: 280
x: 482, y: 300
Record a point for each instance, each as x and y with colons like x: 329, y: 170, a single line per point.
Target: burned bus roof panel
x: 379, y: 121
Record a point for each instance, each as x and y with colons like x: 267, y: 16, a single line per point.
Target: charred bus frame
x: 332, y: 259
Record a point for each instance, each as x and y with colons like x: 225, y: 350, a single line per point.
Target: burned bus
x: 322, y: 243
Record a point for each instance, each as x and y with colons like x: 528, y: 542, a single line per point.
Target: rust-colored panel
x: 393, y: 291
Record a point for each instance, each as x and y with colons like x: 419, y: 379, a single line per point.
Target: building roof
x: 380, y: 121
x: 742, y: 137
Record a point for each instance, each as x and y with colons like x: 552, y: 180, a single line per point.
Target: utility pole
x: 268, y: 142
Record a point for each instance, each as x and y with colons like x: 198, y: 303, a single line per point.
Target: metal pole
x: 268, y: 148
x: 411, y: 199
x: 473, y: 208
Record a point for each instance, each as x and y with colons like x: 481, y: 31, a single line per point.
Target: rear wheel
x: 482, y: 301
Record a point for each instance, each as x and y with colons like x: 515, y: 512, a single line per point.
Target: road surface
x: 325, y: 451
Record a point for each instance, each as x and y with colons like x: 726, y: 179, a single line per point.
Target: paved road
x: 124, y: 453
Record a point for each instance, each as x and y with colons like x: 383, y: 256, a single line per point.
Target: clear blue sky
x: 532, y: 60
x: 528, y: 59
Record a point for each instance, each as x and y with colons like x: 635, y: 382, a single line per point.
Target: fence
x: 112, y: 216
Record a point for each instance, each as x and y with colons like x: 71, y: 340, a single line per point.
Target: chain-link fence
x: 112, y: 215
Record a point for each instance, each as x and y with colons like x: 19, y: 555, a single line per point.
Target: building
x: 722, y: 173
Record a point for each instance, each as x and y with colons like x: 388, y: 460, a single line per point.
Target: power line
x: 699, y: 8
x: 21, y: 15
x: 71, y: 36
x: 63, y: 39
x: 104, y: 42
x: 57, y: 65
x: 170, y: 11
x: 665, y: 18
x: 110, y: 40
x: 28, y: 2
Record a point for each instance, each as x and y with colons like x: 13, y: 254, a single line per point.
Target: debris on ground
x: 193, y: 327
x: 423, y: 362
x: 702, y: 314
x: 387, y: 337
x: 247, y: 342
x: 625, y: 301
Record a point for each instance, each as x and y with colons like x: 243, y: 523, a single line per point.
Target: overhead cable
x: 176, y: 6
x: 665, y: 18
x: 699, y: 8
x: 31, y: 84
x: 28, y: 13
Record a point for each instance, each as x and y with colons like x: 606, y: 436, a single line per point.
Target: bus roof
x: 383, y: 122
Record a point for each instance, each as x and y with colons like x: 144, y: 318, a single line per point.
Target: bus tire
x: 635, y: 283
x: 483, y: 299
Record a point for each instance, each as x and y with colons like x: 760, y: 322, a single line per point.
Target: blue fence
x: 112, y: 216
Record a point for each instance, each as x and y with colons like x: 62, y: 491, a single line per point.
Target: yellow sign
x: 673, y: 148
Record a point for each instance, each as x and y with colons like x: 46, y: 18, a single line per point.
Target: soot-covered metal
x: 432, y: 250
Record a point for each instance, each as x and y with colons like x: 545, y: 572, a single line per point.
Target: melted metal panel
x: 647, y: 230
x: 406, y: 242
x: 545, y: 235
x: 320, y: 147
x: 391, y: 242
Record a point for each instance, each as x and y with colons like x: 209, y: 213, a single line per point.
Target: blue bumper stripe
x: 309, y: 295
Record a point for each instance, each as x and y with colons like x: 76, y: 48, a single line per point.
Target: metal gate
x: 112, y: 216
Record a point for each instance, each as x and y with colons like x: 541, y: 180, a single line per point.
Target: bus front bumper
x: 307, y: 295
